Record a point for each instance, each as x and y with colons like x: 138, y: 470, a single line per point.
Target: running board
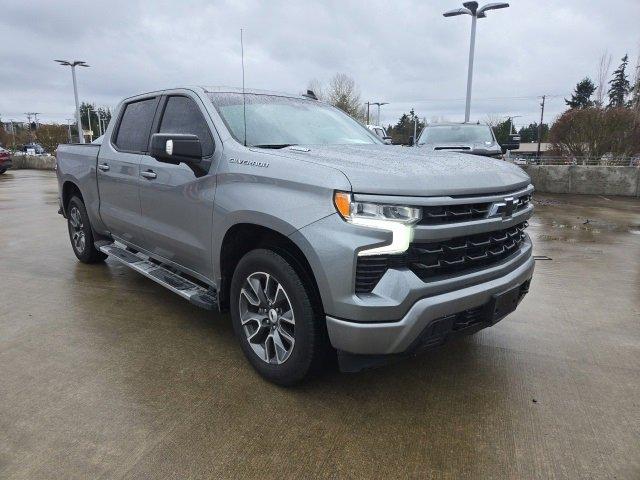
x: 196, y: 294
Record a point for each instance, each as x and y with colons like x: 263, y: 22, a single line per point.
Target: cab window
x: 135, y: 125
x: 182, y: 115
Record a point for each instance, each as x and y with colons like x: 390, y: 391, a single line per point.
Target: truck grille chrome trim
x: 455, y: 256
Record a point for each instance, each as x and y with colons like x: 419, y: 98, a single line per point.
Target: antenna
x: 244, y: 102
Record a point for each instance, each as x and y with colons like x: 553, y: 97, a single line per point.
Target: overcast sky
x: 403, y: 52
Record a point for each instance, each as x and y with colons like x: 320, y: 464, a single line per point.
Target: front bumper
x: 397, y: 337
x: 6, y: 164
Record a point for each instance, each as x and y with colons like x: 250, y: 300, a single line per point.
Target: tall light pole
x: 73, y: 64
x: 379, y: 104
x: 13, y: 133
x: 471, y: 8
x: 513, y: 127
x: 89, y: 121
x: 69, y: 120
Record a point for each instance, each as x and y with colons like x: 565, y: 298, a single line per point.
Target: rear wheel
x: 280, y: 331
x: 80, y: 233
x: 2, y: 170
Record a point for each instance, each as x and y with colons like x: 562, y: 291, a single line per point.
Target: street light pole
x: 89, y: 122
x: 472, y: 48
x: 379, y: 104
x: 69, y: 127
x: 13, y: 134
x: 73, y: 64
x: 471, y: 8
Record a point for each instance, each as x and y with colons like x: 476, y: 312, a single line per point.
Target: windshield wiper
x: 274, y: 146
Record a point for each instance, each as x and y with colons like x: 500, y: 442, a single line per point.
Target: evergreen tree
x: 402, y: 132
x: 530, y: 133
x: 619, y: 85
x: 581, y: 96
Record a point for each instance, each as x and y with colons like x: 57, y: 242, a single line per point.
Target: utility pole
x: 368, y: 105
x: 540, y: 126
x: 415, y: 130
x: 35, y: 119
x: 29, y: 115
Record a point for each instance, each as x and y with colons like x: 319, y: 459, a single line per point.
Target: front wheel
x: 279, y: 329
x: 80, y: 233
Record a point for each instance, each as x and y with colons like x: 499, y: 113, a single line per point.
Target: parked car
x: 5, y: 160
x: 381, y: 133
x: 470, y: 138
x: 35, y: 147
x: 315, y: 235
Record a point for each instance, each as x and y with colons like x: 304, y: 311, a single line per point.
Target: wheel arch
x: 241, y: 238
x: 69, y: 189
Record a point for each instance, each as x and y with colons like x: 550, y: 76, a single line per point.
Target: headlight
x: 397, y: 219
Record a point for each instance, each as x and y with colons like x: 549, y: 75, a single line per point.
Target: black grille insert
x: 441, y: 214
x: 455, y: 256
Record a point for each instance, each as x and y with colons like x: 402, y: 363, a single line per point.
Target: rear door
x: 119, y: 169
x: 176, y: 201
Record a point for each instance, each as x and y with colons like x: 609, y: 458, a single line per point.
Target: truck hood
x: 396, y: 170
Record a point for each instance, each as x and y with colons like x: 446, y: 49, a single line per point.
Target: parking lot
x: 104, y: 374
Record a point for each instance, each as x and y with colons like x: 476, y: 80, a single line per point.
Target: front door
x: 118, y: 169
x: 177, y: 202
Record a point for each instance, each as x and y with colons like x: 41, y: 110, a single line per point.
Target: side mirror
x: 176, y: 148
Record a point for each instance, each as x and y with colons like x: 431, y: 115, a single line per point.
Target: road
x: 104, y: 374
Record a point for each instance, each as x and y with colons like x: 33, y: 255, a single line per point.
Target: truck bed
x: 76, y: 164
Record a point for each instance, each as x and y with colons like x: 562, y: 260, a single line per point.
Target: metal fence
x: 586, y: 161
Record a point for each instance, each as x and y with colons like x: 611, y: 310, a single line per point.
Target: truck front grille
x: 441, y: 214
x: 443, y: 257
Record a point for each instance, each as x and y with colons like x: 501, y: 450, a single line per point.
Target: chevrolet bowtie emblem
x: 504, y: 209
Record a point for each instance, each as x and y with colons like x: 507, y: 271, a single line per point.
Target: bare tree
x: 603, y: 74
x: 344, y: 94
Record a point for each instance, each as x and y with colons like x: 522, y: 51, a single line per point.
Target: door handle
x: 150, y: 174
x: 103, y: 166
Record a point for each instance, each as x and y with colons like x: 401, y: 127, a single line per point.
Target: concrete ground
x: 104, y: 374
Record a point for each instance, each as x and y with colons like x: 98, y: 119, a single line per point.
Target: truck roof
x: 252, y: 91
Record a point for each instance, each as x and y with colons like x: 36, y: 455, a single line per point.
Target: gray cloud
x: 403, y: 52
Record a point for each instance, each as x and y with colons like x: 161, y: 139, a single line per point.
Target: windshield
x: 274, y: 122
x: 449, y: 134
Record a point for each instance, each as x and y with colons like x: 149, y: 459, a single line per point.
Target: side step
x: 196, y: 294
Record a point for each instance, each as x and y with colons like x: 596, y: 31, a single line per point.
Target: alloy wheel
x: 267, y: 318
x: 77, y: 229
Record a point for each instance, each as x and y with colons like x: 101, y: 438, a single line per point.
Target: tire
x: 80, y: 233
x: 271, y: 351
x: 2, y: 170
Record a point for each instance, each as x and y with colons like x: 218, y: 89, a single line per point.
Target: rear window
x: 135, y: 126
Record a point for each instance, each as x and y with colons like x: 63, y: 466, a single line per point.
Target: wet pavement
x: 104, y: 374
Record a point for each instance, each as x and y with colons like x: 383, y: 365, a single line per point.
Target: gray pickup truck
x: 314, y: 234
